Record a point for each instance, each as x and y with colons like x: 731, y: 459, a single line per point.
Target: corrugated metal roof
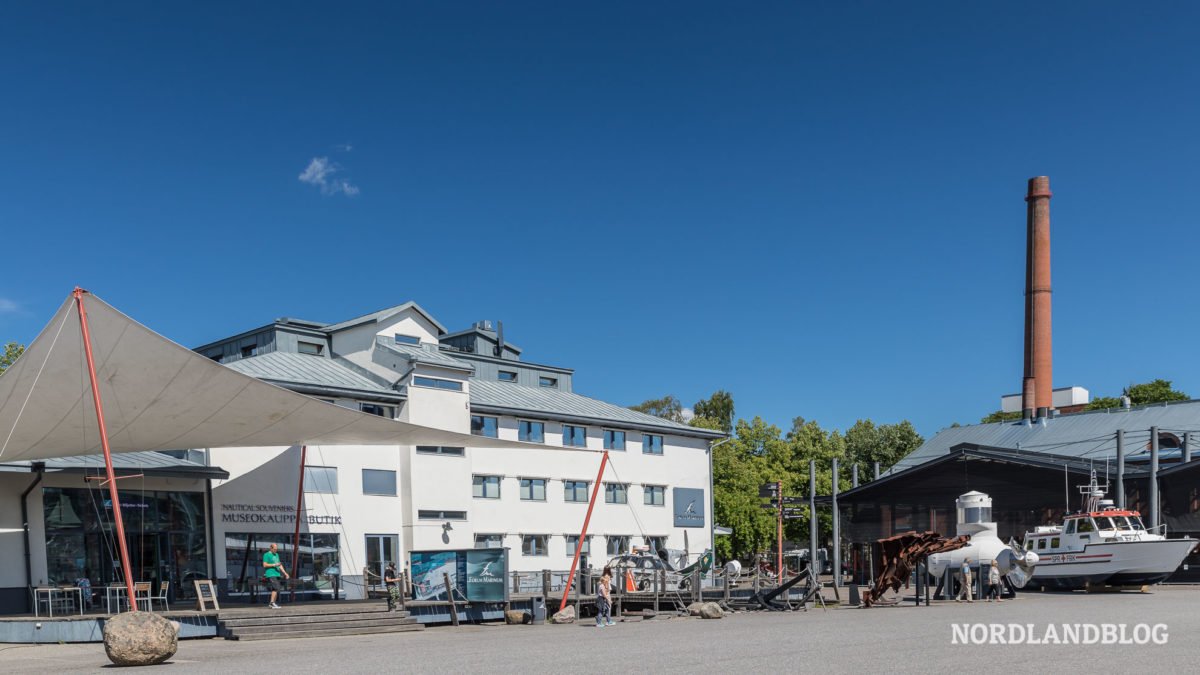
x: 1091, y: 434
x: 419, y: 354
x: 556, y: 402
x: 152, y: 462
x: 304, y: 369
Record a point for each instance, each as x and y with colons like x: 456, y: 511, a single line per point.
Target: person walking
x: 994, y: 582
x: 392, y: 581
x: 967, y: 581
x: 273, y: 573
x: 604, y: 599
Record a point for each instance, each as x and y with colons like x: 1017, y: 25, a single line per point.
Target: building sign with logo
x: 281, y: 514
x: 477, y: 574
x: 689, y: 507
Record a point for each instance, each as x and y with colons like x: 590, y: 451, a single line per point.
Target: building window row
x: 436, y: 383
x: 573, y: 436
x: 576, y: 491
x: 539, y: 544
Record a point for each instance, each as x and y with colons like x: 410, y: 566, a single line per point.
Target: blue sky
x: 818, y: 207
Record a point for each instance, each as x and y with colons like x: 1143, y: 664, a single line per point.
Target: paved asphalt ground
x: 887, y: 639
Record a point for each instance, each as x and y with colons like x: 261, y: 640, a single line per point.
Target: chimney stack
x: 1038, y: 382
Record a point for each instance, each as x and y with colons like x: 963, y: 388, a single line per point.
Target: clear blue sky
x: 817, y: 207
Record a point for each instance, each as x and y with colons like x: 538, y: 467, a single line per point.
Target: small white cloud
x: 320, y: 173
x: 688, y: 414
x: 7, y: 305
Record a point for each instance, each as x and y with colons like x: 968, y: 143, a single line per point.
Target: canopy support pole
x: 596, y: 487
x: 296, y: 534
x: 108, y: 465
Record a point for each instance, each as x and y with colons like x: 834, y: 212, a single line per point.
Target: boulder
x: 711, y: 610
x: 515, y: 617
x: 140, y: 639
x: 565, y: 615
x: 694, y: 608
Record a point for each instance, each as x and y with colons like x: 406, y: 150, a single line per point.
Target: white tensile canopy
x: 158, y: 395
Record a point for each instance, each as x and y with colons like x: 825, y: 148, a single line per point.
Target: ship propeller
x: 1017, y: 564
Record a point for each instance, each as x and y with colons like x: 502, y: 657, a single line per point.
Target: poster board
x: 479, y: 575
x: 206, y: 592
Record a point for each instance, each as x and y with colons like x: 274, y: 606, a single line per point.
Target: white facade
x: 434, y: 506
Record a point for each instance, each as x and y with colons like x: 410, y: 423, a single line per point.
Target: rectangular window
x: 435, y: 383
x: 573, y: 541
x: 656, y: 544
x: 574, y: 436
x: 618, y: 544
x: 654, y: 495
x: 533, y: 489
x: 548, y: 381
x: 310, y: 348
x: 575, y: 491
x: 507, y: 376
x: 651, y: 445
x: 534, y: 544
x: 485, y: 426
x: 379, y: 482
x: 616, y: 493
x: 531, y: 432
x: 489, y: 541
x: 440, y: 450
x: 380, y: 410
x: 402, y: 339
x: 434, y: 514
x: 381, y: 550
x: 249, y: 351
x: 614, y: 440
x: 485, y: 487
x: 320, y: 479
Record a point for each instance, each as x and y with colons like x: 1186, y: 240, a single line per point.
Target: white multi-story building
x: 364, y: 505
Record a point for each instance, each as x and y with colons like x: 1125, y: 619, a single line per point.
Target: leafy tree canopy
x: 1155, y: 391
x: 718, y: 407
x: 667, y: 407
x: 11, y: 351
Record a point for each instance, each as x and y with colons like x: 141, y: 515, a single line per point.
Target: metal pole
x: 837, y: 531
x: 1120, y: 468
x: 596, y: 487
x: 1187, y: 447
x: 812, y: 517
x: 854, y: 476
x: 126, y: 568
x: 876, y: 470
x: 778, y: 532
x: 296, y: 534
x: 1153, y: 477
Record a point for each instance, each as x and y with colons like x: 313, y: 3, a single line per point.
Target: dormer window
x: 310, y: 348
x: 544, y: 381
x: 507, y: 376
x: 402, y: 339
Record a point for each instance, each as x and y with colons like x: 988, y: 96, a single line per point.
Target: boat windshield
x: 1136, y: 522
x: 1110, y: 522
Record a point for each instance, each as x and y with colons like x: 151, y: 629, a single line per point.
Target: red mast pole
x: 299, y: 505
x: 583, y: 535
x: 108, y: 466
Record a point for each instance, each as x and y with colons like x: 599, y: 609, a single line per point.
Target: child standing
x: 604, y: 599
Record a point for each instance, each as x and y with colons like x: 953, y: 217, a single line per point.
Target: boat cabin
x: 1080, y: 529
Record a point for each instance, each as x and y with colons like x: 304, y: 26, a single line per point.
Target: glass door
x: 381, y: 550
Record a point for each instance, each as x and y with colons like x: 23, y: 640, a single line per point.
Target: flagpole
x: 108, y: 465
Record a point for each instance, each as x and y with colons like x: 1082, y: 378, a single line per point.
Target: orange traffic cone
x: 629, y: 585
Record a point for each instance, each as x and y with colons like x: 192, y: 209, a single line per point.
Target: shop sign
x: 281, y: 514
x: 689, y: 507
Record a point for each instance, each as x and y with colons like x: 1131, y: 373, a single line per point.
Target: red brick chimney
x: 1038, y: 382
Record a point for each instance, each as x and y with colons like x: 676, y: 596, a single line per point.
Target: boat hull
x: 1124, y: 563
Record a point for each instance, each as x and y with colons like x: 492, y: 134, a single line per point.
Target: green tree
x: 667, y: 407
x: 1001, y: 416
x: 718, y: 407
x: 1155, y: 391
x: 11, y: 351
x: 887, y: 444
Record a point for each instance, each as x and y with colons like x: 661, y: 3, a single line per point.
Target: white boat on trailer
x: 1103, y: 546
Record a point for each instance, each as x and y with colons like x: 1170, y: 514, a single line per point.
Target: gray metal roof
x: 549, y: 401
x: 150, y: 463
x: 305, y: 369
x: 419, y: 354
x: 1086, y: 435
x: 383, y: 314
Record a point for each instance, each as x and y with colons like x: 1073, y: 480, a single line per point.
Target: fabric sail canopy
x: 158, y: 395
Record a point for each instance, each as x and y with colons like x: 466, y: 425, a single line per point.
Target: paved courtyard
x: 894, y: 639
